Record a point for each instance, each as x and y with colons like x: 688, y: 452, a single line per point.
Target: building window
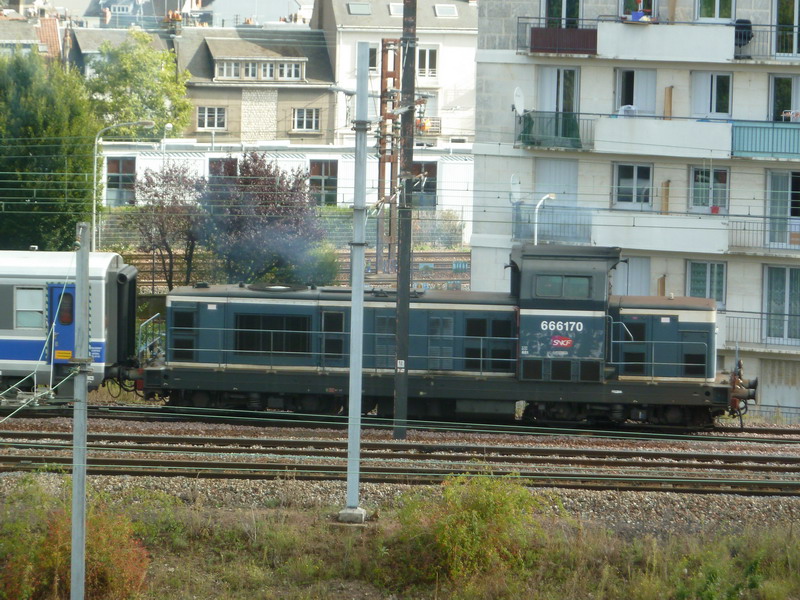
x: 210, y: 117
x: 445, y: 10
x: 714, y: 9
x: 291, y: 71
x: 396, y: 9
x: 305, y: 119
x: 424, y: 194
x: 785, y: 92
x: 783, y: 205
x: 120, y: 177
x: 630, y: 6
x: 250, y: 70
x: 29, y: 308
x: 632, y: 185
x: 706, y: 280
x: 359, y: 8
x: 709, y: 192
x: 228, y: 69
x: 426, y: 62
x: 268, y: 70
x: 636, y: 88
x: 711, y: 95
x: 322, y: 181
x: 783, y: 303
x: 373, y: 59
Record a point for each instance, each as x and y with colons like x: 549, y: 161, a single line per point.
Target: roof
x: 17, y: 32
x: 380, y: 17
x: 49, y: 36
x: 89, y: 40
x: 198, y: 47
x: 50, y: 266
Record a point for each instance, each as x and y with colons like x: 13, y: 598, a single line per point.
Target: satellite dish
x: 519, y: 102
x: 514, y: 195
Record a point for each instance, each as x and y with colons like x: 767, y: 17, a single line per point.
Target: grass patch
x: 472, y: 538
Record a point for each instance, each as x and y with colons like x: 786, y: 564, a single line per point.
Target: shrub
x: 481, y: 526
x: 35, y: 548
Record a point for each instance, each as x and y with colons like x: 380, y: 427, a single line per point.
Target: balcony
x: 674, y: 42
x: 766, y: 139
x: 765, y: 233
x: 767, y: 42
x: 761, y: 331
x: 556, y: 36
x: 428, y: 126
x: 631, y: 230
x: 659, y: 136
x: 539, y: 129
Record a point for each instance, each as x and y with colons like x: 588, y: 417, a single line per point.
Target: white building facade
x: 668, y: 128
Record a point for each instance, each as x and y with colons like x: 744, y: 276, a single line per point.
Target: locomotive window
x: 273, y: 333
x: 385, y: 325
x: 29, y: 308
x: 333, y: 322
x: 563, y: 286
x: 549, y: 286
x: 577, y: 287
x: 476, y: 328
x: 501, y: 328
x: 66, y: 309
x: 183, y: 319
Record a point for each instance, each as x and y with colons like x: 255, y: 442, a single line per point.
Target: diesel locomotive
x: 557, y: 347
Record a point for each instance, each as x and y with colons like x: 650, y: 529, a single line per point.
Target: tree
x: 134, y: 81
x: 46, y: 124
x: 262, y: 223
x: 167, y: 217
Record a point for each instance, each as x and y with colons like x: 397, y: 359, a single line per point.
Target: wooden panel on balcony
x: 564, y: 41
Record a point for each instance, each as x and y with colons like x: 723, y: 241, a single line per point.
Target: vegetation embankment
x: 472, y: 538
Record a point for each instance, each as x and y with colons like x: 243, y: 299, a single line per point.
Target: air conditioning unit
x: 628, y: 110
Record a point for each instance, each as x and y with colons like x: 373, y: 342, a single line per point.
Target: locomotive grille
x: 533, y: 370
x: 590, y: 370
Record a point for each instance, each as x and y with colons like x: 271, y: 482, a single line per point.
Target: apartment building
x: 669, y: 128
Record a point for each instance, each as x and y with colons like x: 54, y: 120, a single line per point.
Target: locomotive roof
x: 32, y: 264
x: 339, y: 293
x: 669, y: 302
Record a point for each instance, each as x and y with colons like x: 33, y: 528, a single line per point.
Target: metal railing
x: 766, y: 138
x: 764, y: 330
x: 545, y: 129
x: 769, y: 233
x: 648, y: 366
x: 553, y: 224
x: 766, y: 41
x: 150, y: 339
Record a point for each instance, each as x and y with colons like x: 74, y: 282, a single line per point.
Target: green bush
x: 35, y: 547
x: 481, y: 526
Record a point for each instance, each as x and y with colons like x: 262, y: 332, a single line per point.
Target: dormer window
x: 250, y: 70
x: 268, y: 70
x: 227, y: 69
x: 291, y: 70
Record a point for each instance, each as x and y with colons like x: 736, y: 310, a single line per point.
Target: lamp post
x: 143, y: 124
x: 536, y: 216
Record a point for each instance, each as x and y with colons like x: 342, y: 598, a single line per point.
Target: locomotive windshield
x: 563, y: 286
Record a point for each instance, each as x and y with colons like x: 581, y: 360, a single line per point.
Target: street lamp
x: 536, y: 217
x: 143, y: 124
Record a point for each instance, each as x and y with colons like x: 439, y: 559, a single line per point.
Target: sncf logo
x: 558, y: 341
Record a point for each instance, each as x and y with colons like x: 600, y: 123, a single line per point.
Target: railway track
x: 784, y: 435
x: 411, y: 463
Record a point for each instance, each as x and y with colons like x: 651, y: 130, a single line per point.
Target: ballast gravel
x: 629, y: 514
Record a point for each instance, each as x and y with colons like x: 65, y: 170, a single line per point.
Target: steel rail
x: 406, y: 475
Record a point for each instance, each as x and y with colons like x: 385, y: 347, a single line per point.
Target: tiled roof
x: 49, y: 35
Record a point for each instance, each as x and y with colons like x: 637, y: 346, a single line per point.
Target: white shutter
x: 701, y: 93
x: 644, y: 91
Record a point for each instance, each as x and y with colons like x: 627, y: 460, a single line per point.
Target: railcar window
x: 66, y: 309
x: 285, y: 334
x: 333, y: 326
x: 501, y: 328
x: 563, y: 286
x: 29, y: 308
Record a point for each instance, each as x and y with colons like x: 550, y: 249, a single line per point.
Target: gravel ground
x: 627, y: 513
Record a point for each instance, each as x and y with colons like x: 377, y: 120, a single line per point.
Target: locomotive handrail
x: 150, y: 338
x: 652, y: 363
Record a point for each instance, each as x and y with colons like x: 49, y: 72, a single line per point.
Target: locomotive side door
x: 61, y: 303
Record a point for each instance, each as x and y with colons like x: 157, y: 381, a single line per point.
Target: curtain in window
x: 779, y: 207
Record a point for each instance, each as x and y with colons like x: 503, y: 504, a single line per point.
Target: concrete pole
x: 83, y: 363
x: 353, y: 513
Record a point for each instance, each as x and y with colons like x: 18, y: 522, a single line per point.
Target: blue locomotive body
x: 558, y: 347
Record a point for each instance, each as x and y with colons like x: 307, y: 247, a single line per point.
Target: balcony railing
x: 773, y: 139
x: 762, y: 329
x: 560, y: 36
x: 555, y: 130
x: 765, y: 232
x: 553, y: 224
x: 766, y: 41
x: 428, y: 126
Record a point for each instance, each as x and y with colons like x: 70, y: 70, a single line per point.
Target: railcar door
x: 335, y: 352
x: 61, y: 303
